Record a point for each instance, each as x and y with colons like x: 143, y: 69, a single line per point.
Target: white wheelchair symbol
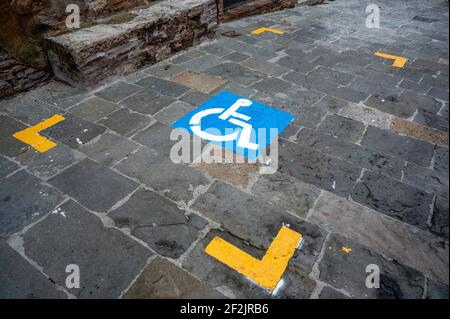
x: 231, y: 115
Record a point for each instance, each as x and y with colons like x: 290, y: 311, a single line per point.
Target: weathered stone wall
x: 253, y: 7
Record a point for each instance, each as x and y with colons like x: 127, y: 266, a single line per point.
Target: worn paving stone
x: 404, y: 147
x: 24, y: 199
x: 391, y: 106
x: 45, y: 165
x: 439, y: 221
x: 258, y: 222
x: 195, y: 98
x: 310, y: 166
x: 332, y: 75
x: 157, y: 138
x: 203, y: 63
x: 267, y: 68
x: 287, y: 192
x: 109, y: 148
x: 367, y: 115
x: 436, y: 290
x: 429, y: 180
x: 357, y: 155
x: 271, y: 85
x: 306, y: 98
x: 297, y: 285
x: 173, y: 112
x: 330, y: 293
x: 148, y: 101
x: 438, y: 94
x: 384, y: 88
x: 59, y: 94
x: 398, y: 200
x: 343, y: 128
x: 431, y: 119
x: 394, y: 239
x: 202, y: 82
x: 125, y: 122
x: 160, y: 223
x: 108, y: 259
x: 295, y: 64
x: 414, y: 86
x: 348, y: 271
x: 74, y: 131
x: 236, y: 57
x: 118, y: 91
x: 441, y: 160
x: 234, y: 72
x: 423, y: 102
x: 162, y: 86
x: 163, y: 280
x: 93, y: 185
x: 215, y: 49
x: 165, y: 70
x: 9, y: 145
x: 7, y: 167
x: 20, y: 280
x: 93, y: 109
x: 419, y: 131
x: 176, y: 181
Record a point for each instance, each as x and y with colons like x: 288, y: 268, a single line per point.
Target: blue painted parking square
x: 236, y: 123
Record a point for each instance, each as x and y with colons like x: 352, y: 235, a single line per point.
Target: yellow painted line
x: 264, y: 29
x: 347, y: 250
x: 266, y: 272
x: 31, y: 135
x: 399, y: 62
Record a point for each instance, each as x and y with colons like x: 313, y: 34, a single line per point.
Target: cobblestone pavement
x: 363, y: 169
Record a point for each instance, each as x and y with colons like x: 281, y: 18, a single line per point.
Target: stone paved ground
x: 364, y: 166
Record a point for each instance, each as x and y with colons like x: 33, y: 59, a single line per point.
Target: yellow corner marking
x: 31, y: 135
x: 264, y: 29
x: 347, y: 250
x: 266, y: 272
x: 399, y: 62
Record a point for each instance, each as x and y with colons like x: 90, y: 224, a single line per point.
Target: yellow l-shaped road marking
x: 264, y: 29
x: 399, y: 62
x: 266, y: 272
x: 31, y: 135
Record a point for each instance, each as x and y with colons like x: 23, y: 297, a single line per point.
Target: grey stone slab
x: 161, y: 279
x: 312, y: 167
x: 20, y: 280
x: 271, y: 85
x: 287, y: 192
x: 176, y: 181
x: 118, y: 91
x: 236, y: 57
x: 9, y: 145
x: 249, y: 49
x: 108, y: 260
x: 300, y: 96
x: 59, y: 94
x: 436, y: 290
x: 421, y: 101
x: 93, y: 185
x: 215, y: 49
x: 148, y: 101
x: 398, y: 200
x: 258, y: 222
x: 357, y: 155
x: 157, y: 138
x: 428, y: 180
x: 74, y: 131
x: 439, y: 94
x: 234, y: 72
x: 125, y: 122
x: 392, y: 106
x: 109, y: 148
x: 332, y: 75
x: 342, y: 127
x: 7, y: 167
x: 431, y: 119
x: 159, y: 222
x: 296, y: 284
x: 203, y: 63
x: 93, y: 109
x: 348, y: 271
x: 50, y: 163
x: 408, y: 245
x: 173, y: 112
x: 403, y: 147
x: 330, y: 293
x: 295, y: 64
x: 165, y: 70
x: 376, y: 87
x: 414, y: 86
x: 24, y: 199
x: 441, y: 160
x: 162, y: 86
x: 195, y: 98
x: 267, y: 68
x: 439, y: 221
